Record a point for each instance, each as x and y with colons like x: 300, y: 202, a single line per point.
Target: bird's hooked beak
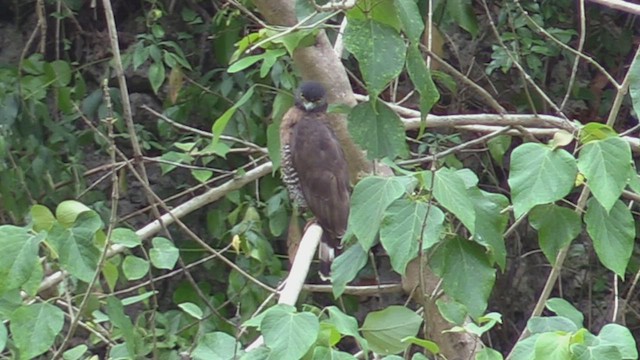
x: 309, y: 105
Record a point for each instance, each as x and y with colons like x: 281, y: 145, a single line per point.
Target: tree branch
x: 620, y: 5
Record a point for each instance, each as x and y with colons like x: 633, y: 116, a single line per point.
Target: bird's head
x: 311, y: 97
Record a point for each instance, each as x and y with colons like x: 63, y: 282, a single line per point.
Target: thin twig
x: 574, y: 70
x: 517, y: 64
x: 484, y: 94
x: 456, y: 148
x: 201, y: 132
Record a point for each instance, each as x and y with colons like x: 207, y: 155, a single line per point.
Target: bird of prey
x: 314, y: 168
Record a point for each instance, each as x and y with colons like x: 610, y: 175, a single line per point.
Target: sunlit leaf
x: 466, y: 273
x: 406, y: 225
x: 539, y: 175
x: 289, y: 335
x: 557, y: 227
x: 612, y: 233
x: 606, y: 164
x: 35, y: 327
x: 378, y: 131
x: 370, y: 199
x: 385, y: 329
x: 380, y: 52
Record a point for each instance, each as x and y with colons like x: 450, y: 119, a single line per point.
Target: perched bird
x: 314, y: 168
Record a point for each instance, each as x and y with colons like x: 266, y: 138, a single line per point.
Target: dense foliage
x: 150, y: 221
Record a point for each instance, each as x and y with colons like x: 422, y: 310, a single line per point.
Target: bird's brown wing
x: 323, y: 174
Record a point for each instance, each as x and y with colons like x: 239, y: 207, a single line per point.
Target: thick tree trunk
x: 320, y: 63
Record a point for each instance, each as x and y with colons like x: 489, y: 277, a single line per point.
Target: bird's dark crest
x: 311, y: 96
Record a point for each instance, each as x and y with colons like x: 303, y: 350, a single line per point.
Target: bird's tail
x: 327, y: 251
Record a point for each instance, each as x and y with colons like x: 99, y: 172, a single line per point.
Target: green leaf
x: 192, y: 309
x: 606, y: 164
x: 110, y: 273
x: 134, y: 268
x: 245, y: 62
x: 174, y: 157
x: 156, y: 75
x: 35, y: 327
x: 379, y: 50
x: 612, y: 233
x: 323, y: 352
x: 385, y: 329
x: 620, y: 337
x: 410, y: 19
x: 557, y: 227
x: 9, y: 302
x: 419, y: 356
x: 138, y: 298
x: 346, y: 266
x: 491, y: 223
x: 429, y: 345
x: 539, y: 324
x: 140, y: 55
x: 563, y: 308
x: 452, y: 311
x: 75, y: 247
x: 221, y: 123
x: 488, y: 354
x: 539, y: 175
x: 487, y: 322
x: 243, y: 45
x: 421, y: 78
x: 125, y: 237
x: 405, y: 225
x: 451, y: 192
x: 596, y: 131
x: 289, y: 335
x: 582, y: 352
x: 164, y: 254
x: 371, y: 197
x: 498, y: 146
x: 462, y: 13
x: 523, y: 350
x: 290, y: 41
x: 201, y: 175
x: 42, y: 218
x: 62, y: 70
x: 220, y: 149
x: 346, y: 325
x: 634, y: 86
x: 380, y: 133
x: 32, y: 285
x: 216, y: 346
x: 19, y: 256
x: 466, y: 273
x: 120, y: 320
x: 75, y: 353
x: 382, y: 12
x: 634, y: 180
x: 553, y: 346
x: 68, y: 210
x: 328, y: 335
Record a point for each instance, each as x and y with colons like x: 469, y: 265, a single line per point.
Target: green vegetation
x: 494, y: 215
